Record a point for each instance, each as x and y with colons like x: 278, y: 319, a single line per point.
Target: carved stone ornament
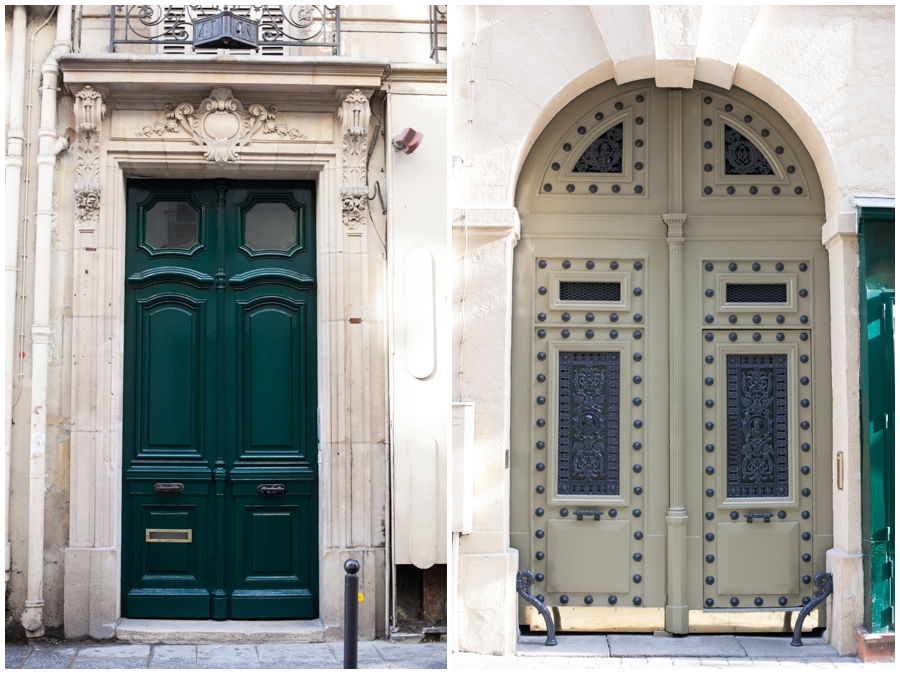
x: 354, y: 117
x: 221, y: 124
x: 89, y: 112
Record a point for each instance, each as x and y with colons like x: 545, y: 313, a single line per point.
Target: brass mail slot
x: 169, y: 536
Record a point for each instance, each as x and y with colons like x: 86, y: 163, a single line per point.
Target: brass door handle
x: 168, y: 487
x: 750, y: 516
x: 270, y: 489
x: 581, y: 513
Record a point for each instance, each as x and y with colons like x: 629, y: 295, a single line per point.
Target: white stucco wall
x: 828, y: 70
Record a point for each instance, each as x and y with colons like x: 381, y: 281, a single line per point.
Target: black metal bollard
x: 351, y: 613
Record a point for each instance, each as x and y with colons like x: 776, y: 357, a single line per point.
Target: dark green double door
x: 219, y: 493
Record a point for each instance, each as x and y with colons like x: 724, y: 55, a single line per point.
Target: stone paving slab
x: 595, y: 645
x: 780, y: 647
x: 427, y: 656
x: 114, y: 663
x: 696, y: 646
x: 227, y: 656
x: 115, y: 651
x: 50, y: 657
x: 296, y: 656
x: 173, y: 657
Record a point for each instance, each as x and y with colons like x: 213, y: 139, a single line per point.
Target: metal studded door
x: 670, y: 432
x: 219, y: 435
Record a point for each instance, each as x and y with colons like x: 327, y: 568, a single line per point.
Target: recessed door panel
x: 758, y: 558
x: 579, y: 559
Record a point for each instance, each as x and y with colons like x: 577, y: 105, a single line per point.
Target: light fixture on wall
x: 407, y: 141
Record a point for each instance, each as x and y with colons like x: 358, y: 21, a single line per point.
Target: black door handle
x: 168, y: 487
x: 581, y: 513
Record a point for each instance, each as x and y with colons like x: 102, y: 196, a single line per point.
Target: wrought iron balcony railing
x: 170, y: 28
x: 438, y: 21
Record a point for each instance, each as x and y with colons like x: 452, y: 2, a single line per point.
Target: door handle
x: 581, y: 513
x: 168, y: 487
x: 270, y: 489
x: 750, y: 517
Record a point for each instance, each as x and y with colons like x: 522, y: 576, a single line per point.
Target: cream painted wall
x: 828, y: 70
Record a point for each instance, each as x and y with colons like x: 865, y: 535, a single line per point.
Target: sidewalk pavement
x: 648, y: 652
x: 371, y: 655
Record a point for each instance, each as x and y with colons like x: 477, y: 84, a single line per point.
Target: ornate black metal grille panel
x: 747, y: 293
x: 604, y: 155
x: 588, y: 423
x: 757, y: 426
x: 589, y: 291
x: 742, y: 157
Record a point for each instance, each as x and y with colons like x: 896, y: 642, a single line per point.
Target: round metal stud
x: 540, y: 444
x: 539, y: 533
x: 540, y: 467
x: 638, y: 423
x: 734, y: 514
x: 782, y: 601
x: 539, y: 489
x: 636, y: 512
x: 542, y: 264
x: 779, y: 266
x: 570, y: 188
x: 592, y: 189
x: 805, y: 447
x: 539, y: 555
x: 709, y: 266
x: 709, y: 318
x: 548, y: 187
x: 542, y: 290
x: 636, y: 446
x: 542, y: 378
x: 710, y: 359
x: 541, y: 355
x: 748, y: 118
x: 613, y: 265
x: 803, y: 292
x: 709, y: 425
x: 807, y: 579
x: 638, y: 318
x: 638, y: 265
x: 555, y: 166
x: 758, y: 601
x: 804, y: 403
x: 589, y: 334
x: 710, y: 601
x: 710, y: 559
x: 541, y: 400
x: 710, y: 402
x: 639, y: 98
x: 732, y: 319
x: 619, y: 105
x: 637, y: 334
x: 613, y: 334
x: 779, y: 336
x: 566, y: 264
x: 779, y: 150
x: 803, y: 266
x: 732, y: 336
x: 805, y: 536
x: 707, y: 190
x: 638, y: 491
x: 589, y: 264
x: 734, y: 601
x: 710, y: 292
x: 541, y: 423
x: 707, y: 167
x: 582, y: 130
x: 776, y: 190
x: 598, y: 116
x: 732, y: 266
x: 710, y: 448
x: 709, y: 381
x: 710, y: 492
x: 637, y: 556
x: 541, y: 333
x: 638, y: 189
x: 707, y: 100
x: 805, y: 491
x: 588, y: 600
x: 710, y: 580
x: 638, y: 535
x: 565, y: 334
x: 542, y: 316
x: 710, y: 516
x: 612, y: 512
x: 612, y: 600
x: 637, y: 356
x: 804, y: 425
x: 710, y: 470
x: 707, y: 122
x: 764, y: 133
x: 566, y: 316
x: 637, y: 379
x: 708, y: 145
x: 637, y: 292
x: 756, y: 266
x: 636, y: 402
x: 539, y: 512
x: 805, y: 515
x: 637, y: 468
x: 798, y: 190
x: 639, y: 143
x: 616, y: 189
x: 754, y: 189
x: 637, y: 601
x: 757, y: 318
x: 589, y: 317
x: 806, y: 557
x: 564, y: 512
x: 710, y: 537
x: 539, y: 577
x: 638, y: 120
x: 567, y: 147
x: 564, y: 599
x: 804, y: 358
x: 782, y: 514
x: 805, y: 601
x: 756, y: 336
x: 636, y: 578
x: 730, y: 189
x: 614, y: 317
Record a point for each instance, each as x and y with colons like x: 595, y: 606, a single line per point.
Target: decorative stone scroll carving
x: 221, y: 124
x: 354, y: 117
x: 89, y: 112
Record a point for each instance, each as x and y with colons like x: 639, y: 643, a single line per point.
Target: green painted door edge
x: 877, y: 413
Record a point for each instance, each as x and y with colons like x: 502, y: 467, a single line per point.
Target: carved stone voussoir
x: 89, y: 113
x: 354, y: 117
x: 221, y: 124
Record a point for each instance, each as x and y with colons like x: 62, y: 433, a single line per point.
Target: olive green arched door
x: 671, y: 365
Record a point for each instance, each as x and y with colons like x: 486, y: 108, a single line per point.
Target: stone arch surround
x: 824, y: 69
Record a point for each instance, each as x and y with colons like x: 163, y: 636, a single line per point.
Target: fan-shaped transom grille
x: 753, y: 293
x: 605, y: 154
x: 589, y: 291
x: 742, y: 157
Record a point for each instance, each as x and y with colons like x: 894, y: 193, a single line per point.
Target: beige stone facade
x: 828, y: 71
x: 310, y: 115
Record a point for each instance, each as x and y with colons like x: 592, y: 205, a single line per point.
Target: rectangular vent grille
x: 756, y: 293
x: 589, y: 291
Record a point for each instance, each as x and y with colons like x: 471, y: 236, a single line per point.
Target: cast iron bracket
x: 524, y: 581
x: 824, y: 587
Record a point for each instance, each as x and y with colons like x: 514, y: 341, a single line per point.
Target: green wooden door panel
x: 220, y: 398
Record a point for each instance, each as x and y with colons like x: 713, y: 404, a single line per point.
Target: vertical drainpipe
x: 14, y: 164
x: 51, y: 144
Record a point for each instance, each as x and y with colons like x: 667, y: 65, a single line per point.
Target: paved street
x: 372, y: 655
x: 646, y: 652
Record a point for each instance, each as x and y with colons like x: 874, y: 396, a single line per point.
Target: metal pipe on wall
x: 14, y: 163
x: 51, y: 144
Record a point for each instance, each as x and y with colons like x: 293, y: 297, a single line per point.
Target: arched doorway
x: 671, y: 396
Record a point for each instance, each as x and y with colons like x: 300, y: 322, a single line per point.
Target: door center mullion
x: 220, y: 596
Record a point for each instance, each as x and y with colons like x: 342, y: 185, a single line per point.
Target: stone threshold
x: 144, y: 631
